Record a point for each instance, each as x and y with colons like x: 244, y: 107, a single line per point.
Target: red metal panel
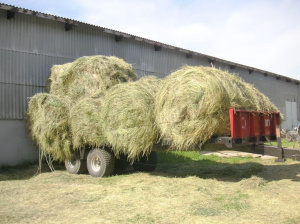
x: 248, y: 124
x: 245, y: 123
x: 254, y: 124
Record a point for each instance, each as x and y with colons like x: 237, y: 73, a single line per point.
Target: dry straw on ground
x: 128, y: 117
x: 86, y: 124
x: 90, y: 76
x: 48, y: 120
x: 192, y: 105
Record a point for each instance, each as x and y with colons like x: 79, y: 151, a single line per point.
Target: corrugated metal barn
x: 32, y: 42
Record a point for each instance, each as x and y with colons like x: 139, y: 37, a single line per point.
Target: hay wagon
x: 249, y: 131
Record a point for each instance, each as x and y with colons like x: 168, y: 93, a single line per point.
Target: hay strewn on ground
x: 90, y: 76
x: 192, y: 105
x: 86, y: 124
x: 128, y: 117
x: 49, y: 126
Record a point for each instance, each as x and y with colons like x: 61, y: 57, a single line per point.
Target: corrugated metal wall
x: 30, y: 46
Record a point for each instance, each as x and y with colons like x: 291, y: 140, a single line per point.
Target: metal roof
x: 126, y: 35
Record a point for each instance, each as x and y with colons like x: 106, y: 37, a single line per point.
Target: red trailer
x: 253, y: 129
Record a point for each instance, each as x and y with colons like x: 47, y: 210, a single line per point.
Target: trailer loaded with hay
x: 96, y: 117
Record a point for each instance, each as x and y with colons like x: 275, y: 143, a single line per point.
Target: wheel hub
x: 96, y: 163
x: 71, y: 163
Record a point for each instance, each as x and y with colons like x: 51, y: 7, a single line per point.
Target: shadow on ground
x: 170, y: 165
x: 211, y: 168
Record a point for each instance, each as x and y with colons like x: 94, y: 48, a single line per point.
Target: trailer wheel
x: 75, y: 165
x: 100, y: 162
x: 146, y: 164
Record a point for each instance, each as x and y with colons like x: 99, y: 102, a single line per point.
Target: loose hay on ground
x: 48, y: 122
x: 128, y: 117
x: 192, y: 105
x: 90, y: 76
x: 86, y: 123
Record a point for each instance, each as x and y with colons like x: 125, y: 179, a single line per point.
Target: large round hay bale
x: 192, y: 105
x: 48, y: 123
x: 90, y: 76
x: 86, y: 123
x: 53, y: 80
x: 128, y: 117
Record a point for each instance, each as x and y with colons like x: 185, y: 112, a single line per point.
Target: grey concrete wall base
x: 15, y: 144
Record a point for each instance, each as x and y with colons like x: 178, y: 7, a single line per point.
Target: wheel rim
x: 71, y: 163
x: 96, y: 163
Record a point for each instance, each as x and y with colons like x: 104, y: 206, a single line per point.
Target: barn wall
x: 30, y: 46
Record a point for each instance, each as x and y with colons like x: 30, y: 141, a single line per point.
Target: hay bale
x: 53, y: 80
x: 90, y: 76
x: 128, y: 117
x: 86, y: 123
x: 192, y: 105
x: 48, y: 123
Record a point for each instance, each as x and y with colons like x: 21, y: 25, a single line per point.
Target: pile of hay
x: 128, y: 117
x: 86, y: 123
x: 68, y: 117
x: 90, y: 76
x: 192, y: 105
x: 49, y: 126
x: 53, y: 79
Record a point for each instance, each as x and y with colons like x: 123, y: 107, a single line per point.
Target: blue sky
x: 260, y: 33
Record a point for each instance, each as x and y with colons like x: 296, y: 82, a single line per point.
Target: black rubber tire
x: 121, y: 163
x: 75, y: 165
x: 100, y: 162
x: 146, y: 164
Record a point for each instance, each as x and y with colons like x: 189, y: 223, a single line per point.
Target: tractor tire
x: 100, y: 162
x: 146, y: 163
x: 75, y: 165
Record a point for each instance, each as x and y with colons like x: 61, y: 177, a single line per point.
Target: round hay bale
x: 128, y: 117
x: 48, y: 123
x: 192, y: 105
x: 53, y: 80
x: 90, y: 76
x: 86, y: 123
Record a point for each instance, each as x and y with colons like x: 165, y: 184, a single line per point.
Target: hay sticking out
x: 86, y: 124
x: 90, y: 76
x: 54, y: 77
x: 48, y: 123
x: 192, y: 105
x: 128, y: 117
